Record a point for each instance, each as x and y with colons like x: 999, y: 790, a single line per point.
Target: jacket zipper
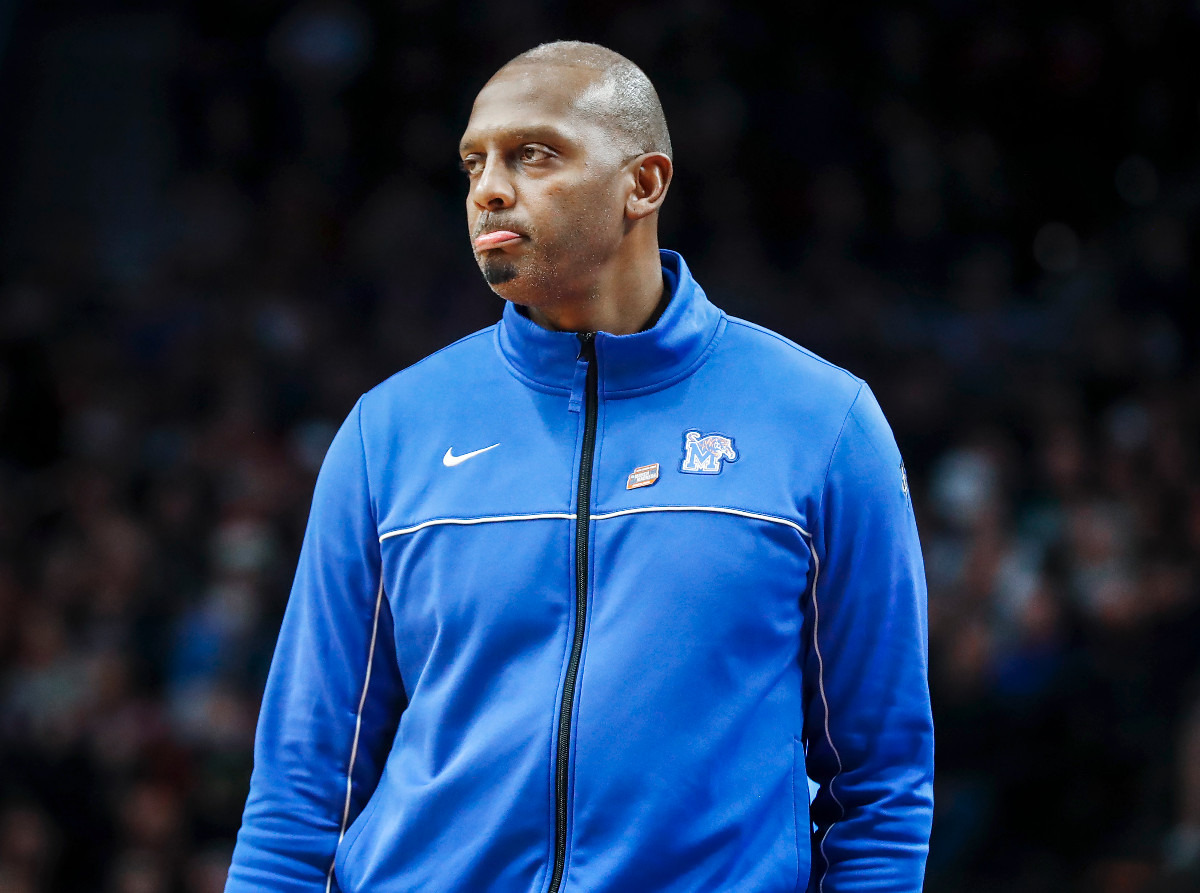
x: 583, y: 518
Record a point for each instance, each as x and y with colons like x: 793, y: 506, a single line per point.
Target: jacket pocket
x: 353, y: 834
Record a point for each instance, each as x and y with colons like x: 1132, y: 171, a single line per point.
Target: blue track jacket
x: 585, y: 613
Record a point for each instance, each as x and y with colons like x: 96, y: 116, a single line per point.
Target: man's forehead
x: 531, y: 95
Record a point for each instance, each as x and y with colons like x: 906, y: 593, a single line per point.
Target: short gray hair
x: 621, y: 91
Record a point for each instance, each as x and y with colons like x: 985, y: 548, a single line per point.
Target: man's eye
x: 533, y: 153
x: 471, y: 165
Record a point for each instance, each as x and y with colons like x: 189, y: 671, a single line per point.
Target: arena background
x: 221, y: 221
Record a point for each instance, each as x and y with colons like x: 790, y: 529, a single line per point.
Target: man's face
x: 546, y: 195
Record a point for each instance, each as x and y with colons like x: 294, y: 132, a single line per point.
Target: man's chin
x: 497, y: 272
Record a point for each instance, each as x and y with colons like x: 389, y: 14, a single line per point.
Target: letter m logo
x: 703, y: 454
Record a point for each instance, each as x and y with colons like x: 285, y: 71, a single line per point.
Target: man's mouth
x: 496, y: 239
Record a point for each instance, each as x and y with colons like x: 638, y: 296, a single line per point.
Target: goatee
x: 495, y: 273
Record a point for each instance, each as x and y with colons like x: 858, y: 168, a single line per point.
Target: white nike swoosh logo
x: 450, y: 460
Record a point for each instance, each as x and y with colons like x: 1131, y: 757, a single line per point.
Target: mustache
x: 489, y: 221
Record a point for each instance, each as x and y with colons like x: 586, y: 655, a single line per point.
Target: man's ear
x: 651, y: 177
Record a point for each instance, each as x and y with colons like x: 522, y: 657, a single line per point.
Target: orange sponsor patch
x: 642, y: 476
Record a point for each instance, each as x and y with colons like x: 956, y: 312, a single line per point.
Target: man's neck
x: 626, y: 302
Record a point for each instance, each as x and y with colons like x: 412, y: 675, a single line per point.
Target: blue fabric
x: 746, y: 629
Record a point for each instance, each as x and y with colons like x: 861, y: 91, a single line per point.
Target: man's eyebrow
x: 544, y: 133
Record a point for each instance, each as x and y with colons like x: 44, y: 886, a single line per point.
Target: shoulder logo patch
x: 703, y: 454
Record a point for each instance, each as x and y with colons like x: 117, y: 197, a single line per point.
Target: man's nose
x: 494, y: 189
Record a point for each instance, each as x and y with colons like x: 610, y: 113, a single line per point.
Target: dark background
x: 222, y: 221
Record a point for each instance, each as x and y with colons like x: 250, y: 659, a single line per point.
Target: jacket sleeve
x: 333, y: 694
x: 868, y: 728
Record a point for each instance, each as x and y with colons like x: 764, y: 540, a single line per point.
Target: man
x: 587, y: 597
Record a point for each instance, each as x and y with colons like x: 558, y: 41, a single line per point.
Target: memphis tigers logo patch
x: 703, y: 454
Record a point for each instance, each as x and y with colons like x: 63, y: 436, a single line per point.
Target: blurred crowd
x: 221, y: 222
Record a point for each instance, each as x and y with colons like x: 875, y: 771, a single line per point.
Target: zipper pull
x: 584, y: 360
x: 587, y: 346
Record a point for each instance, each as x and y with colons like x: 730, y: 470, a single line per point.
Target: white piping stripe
x: 362, y: 700
x: 720, y: 510
x: 825, y: 703
x: 570, y: 516
x: 563, y: 516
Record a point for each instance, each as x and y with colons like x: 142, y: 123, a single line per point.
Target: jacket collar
x: 627, y: 364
